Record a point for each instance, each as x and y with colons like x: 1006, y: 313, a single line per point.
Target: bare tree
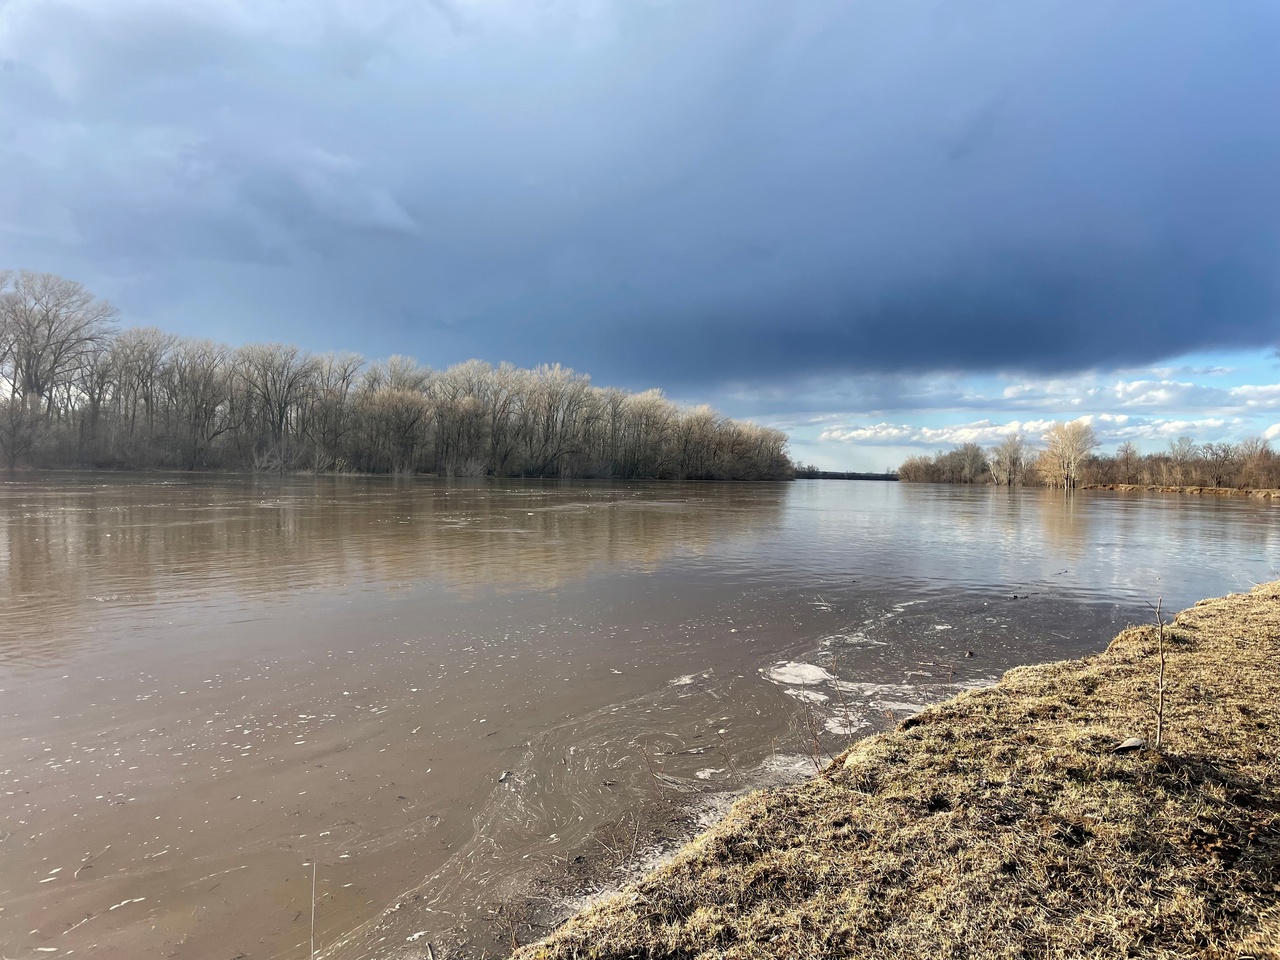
x: 143, y: 397
x: 20, y: 431
x: 277, y: 380
x: 973, y: 463
x: 393, y: 431
x: 6, y: 333
x: 1067, y: 445
x: 138, y: 359
x: 329, y: 418
x: 1008, y: 460
x: 199, y: 375
x: 49, y: 324
x: 1220, y: 458
x: 1251, y: 463
x: 1257, y: 462
x: 1182, y: 453
x: 1127, y: 458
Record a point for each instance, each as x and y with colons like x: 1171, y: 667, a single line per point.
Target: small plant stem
x: 1160, y: 685
x: 1160, y: 673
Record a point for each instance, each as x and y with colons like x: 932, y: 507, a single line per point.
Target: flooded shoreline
x: 1053, y: 808
x: 436, y: 689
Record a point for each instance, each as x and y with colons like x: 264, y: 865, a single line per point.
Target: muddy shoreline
x: 1249, y: 492
x: 1051, y: 814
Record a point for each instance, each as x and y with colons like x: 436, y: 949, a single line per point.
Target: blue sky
x: 884, y: 227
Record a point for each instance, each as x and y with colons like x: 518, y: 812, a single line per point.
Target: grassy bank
x: 1003, y: 823
x: 1198, y: 491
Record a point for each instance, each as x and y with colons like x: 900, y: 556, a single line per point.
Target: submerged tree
x: 1066, y: 446
x: 1009, y: 460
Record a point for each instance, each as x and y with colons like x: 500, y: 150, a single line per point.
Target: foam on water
x: 795, y: 672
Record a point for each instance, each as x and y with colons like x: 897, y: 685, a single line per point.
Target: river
x: 434, y: 695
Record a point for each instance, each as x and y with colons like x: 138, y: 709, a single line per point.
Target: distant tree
x: 276, y: 380
x: 21, y: 429
x: 1067, y: 445
x: 1257, y: 462
x: 1220, y: 459
x: 1009, y: 460
x: 200, y: 391
x: 972, y: 463
x: 1182, y: 454
x: 1069, y: 462
x: 73, y: 391
x: 47, y: 326
x: 918, y: 469
x: 1127, y: 460
x: 329, y: 417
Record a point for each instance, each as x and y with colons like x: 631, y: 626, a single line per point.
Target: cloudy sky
x: 883, y: 226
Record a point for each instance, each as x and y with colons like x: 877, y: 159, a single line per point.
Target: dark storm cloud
x: 660, y: 192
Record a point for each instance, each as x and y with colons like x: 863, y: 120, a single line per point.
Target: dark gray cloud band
x: 658, y: 191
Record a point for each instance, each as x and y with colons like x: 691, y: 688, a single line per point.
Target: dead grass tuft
x: 1002, y: 824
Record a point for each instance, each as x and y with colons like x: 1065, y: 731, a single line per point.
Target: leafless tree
x: 276, y: 379
x: 1067, y: 445
x: 74, y: 392
x: 1127, y: 459
x: 1220, y: 458
x: 1182, y: 453
x: 48, y: 325
x: 200, y: 387
x: 329, y: 419
x: 1008, y: 460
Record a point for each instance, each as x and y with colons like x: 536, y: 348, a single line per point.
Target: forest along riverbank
x: 1051, y: 812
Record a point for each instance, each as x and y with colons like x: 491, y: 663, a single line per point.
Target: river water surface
x: 432, y: 693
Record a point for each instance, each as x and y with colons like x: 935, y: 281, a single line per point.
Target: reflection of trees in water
x: 65, y: 552
x: 1065, y: 518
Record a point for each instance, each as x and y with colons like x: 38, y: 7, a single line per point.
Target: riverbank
x: 1005, y: 823
x: 1198, y: 491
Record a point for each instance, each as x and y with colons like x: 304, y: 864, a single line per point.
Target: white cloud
x: 981, y: 432
x: 1259, y: 396
x: 1110, y: 429
x: 1158, y: 393
x: 1203, y: 430
x: 881, y: 433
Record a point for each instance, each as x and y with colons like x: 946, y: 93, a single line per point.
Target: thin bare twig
x: 1160, y: 688
x: 648, y: 762
x: 88, y: 862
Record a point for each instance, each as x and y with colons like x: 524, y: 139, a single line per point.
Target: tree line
x: 77, y: 391
x: 1067, y: 458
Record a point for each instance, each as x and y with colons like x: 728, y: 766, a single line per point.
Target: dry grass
x: 1002, y: 824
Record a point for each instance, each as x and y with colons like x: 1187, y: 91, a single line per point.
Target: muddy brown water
x: 436, y: 692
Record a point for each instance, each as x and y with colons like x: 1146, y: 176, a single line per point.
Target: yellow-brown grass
x: 1002, y: 824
